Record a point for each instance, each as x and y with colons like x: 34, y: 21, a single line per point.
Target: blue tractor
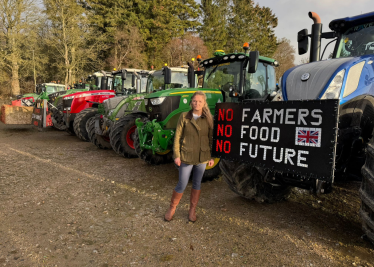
x: 348, y: 76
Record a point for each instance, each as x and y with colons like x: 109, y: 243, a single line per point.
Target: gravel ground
x: 66, y: 203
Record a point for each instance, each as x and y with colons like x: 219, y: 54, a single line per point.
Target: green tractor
x: 224, y: 77
x: 42, y: 91
x: 132, y: 84
x: 120, y: 127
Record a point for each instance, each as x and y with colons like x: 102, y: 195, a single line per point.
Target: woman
x: 192, y: 151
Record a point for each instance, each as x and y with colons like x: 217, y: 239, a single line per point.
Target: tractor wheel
x: 210, y: 172
x: 122, y: 135
x: 80, y: 123
x: 148, y: 156
x: 98, y: 140
x: 248, y: 182
x: 367, y: 193
x: 58, y: 118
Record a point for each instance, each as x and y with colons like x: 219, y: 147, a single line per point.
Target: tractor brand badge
x: 305, y: 76
x: 185, y: 101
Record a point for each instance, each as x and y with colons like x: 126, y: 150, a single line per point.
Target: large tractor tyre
x: 80, y: 123
x: 58, y: 118
x: 248, y: 182
x: 122, y: 135
x: 210, y: 172
x: 148, y: 156
x: 367, y: 193
x: 98, y: 140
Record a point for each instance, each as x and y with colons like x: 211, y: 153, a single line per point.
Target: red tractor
x: 79, y: 107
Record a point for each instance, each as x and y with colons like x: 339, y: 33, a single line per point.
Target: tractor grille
x: 52, y: 97
x: 67, y: 103
x: 160, y: 112
x: 111, y: 103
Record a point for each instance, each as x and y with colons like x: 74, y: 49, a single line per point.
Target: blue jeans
x: 185, y: 173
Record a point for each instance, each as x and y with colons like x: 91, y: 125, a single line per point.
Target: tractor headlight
x: 333, y: 91
x: 157, y: 101
x: 146, y: 101
x: 68, y: 97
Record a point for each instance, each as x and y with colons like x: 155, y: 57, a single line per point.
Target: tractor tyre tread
x: 366, y: 193
x: 96, y: 139
x: 80, y: 123
x: 246, y: 181
x: 58, y: 118
x: 118, y: 133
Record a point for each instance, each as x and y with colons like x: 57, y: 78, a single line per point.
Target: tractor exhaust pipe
x: 315, y: 47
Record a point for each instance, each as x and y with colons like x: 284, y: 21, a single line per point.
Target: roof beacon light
x: 246, y: 47
x: 166, y: 64
x: 198, y: 58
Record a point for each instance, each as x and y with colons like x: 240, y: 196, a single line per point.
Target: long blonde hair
x: 206, y: 110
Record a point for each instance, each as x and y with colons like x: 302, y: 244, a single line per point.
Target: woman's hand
x: 211, y: 163
x: 177, y: 161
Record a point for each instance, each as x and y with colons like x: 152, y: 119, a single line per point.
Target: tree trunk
x: 15, y: 79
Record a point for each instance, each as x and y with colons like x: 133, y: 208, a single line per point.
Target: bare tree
x: 285, y: 55
x: 72, y: 38
x: 180, y: 50
x: 17, y: 18
x: 127, y: 49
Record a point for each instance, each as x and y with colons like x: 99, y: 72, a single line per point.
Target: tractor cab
x: 125, y: 81
x: 101, y: 80
x: 49, y: 88
x: 238, y: 77
x: 166, y: 78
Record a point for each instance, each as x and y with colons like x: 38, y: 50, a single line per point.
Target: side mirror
x: 253, y: 61
x: 133, y: 80
x: 303, y: 42
x: 167, y: 75
x: 123, y: 75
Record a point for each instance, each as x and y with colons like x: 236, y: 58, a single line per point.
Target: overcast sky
x: 293, y: 16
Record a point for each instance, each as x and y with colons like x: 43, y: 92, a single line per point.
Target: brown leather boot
x: 176, y: 197
x: 195, y: 194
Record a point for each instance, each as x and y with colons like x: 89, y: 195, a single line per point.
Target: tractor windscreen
x: 128, y: 81
x: 356, y: 41
x: 223, y: 76
x: 178, y: 80
x: 50, y: 89
x: 117, y: 83
x: 260, y: 83
x: 143, y: 84
x: 156, y: 81
x: 109, y: 85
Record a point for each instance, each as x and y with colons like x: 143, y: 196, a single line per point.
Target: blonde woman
x: 192, y: 151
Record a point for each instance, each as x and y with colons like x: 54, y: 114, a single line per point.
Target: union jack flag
x: 308, y: 136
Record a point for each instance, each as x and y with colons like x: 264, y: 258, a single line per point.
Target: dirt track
x: 66, y: 203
